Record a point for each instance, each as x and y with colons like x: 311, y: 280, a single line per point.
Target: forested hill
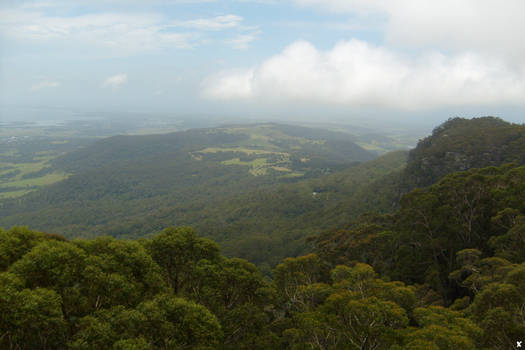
x: 462, y: 144
x: 130, y: 186
x: 294, y: 211
x: 258, y: 190
x: 295, y: 142
x: 267, y: 225
x: 444, y: 272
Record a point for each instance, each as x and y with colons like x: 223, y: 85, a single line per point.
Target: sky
x: 323, y: 60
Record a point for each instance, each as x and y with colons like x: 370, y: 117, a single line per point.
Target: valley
x: 345, y: 240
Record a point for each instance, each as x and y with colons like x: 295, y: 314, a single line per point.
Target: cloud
x: 356, y: 6
x: 44, y: 85
x: 492, y: 26
x: 242, y: 41
x: 115, y: 81
x: 360, y: 74
x: 215, y: 23
x: 230, y: 84
x: 122, y: 33
x: 119, y: 32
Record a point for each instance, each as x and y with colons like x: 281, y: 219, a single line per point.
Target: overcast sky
x: 325, y: 59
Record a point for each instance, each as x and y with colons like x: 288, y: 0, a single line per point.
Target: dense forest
x: 438, y: 262
x: 445, y: 271
x: 131, y: 186
x: 135, y: 186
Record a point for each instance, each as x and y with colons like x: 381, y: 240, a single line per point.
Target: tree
x: 14, y: 243
x: 118, y: 273
x: 58, y: 266
x: 31, y: 318
x: 294, y: 275
x: 444, y: 328
x: 366, y: 323
x: 173, y: 323
x: 177, y: 251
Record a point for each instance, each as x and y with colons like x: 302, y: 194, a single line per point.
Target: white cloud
x: 215, y: 23
x: 358, y: 6
x: 492, y: 26
x: 44, y: 85
x: 230, y: 84
x: 115, y: 81
x: 242, y: 41
x: 120, y: 32
x: 357, y: 73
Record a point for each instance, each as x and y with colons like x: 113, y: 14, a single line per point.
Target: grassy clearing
x: 247, y: 151
x: 18, y: 185
x: 280, y: 168
x: 9, y: 153
x: 4, y: 169
x: 26, y: 168
x: 260, y: 166
x: 47, y: 179
x: 257, y: 166
x: 292, y: 174
x: 14, y: 194
x: 262, y: 145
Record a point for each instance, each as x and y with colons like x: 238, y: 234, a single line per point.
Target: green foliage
x: 498, y: 308
x: 119, y: 273
x: 109, y: 294
x: 358, y: 311
x: 444, y: 328
x: 172, y: 321
x: 442, y: 236
x: 131, y: 186
x: 31, y: 318
x: 177, y: 251
x: 445, y: 271
x: 114, y: 294
x: 14, y: 243
x: 461, y: 144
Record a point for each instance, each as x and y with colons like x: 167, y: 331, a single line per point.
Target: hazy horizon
x: 354, y: 62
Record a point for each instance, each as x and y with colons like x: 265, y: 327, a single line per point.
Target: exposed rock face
x: 461, y: 144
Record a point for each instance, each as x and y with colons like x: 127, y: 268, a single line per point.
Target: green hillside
x: 283, y: 216
x: 446, y: 271
x: 462, y: 144
x: 118, y: 184
x: 443, y: 268
x: 258, y: 190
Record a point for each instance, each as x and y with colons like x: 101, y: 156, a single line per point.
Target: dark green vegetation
x: 258, y: 191
x: 461, y: 144
x: 27, y: 149
x: 446, y: 271
x: 130, y: 186
x: 267, y: 221
x: 435, y: 267
x: 25, y: 162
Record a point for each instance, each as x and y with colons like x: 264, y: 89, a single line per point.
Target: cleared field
x: 37, y: 181
x: 261, y: 166
x: 267, y: 147
x: 258, y: 166
x: 247, y: 151
x: 19, y: 184
x: 13, y: 194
